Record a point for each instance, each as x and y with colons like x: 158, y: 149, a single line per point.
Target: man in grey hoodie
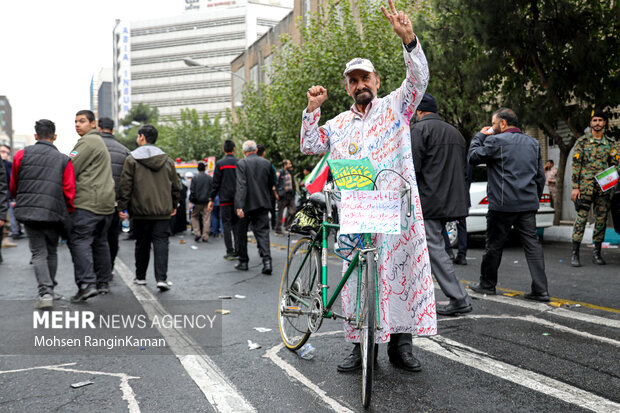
x: 149, y: 192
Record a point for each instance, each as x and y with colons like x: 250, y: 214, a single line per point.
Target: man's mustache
x: 363, y: 90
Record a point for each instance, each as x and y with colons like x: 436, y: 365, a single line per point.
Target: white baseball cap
x: 359, y: 64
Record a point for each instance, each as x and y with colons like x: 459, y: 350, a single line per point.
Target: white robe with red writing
x: 406, y: 294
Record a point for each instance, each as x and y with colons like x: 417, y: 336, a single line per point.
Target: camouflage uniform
x: 591, y: 157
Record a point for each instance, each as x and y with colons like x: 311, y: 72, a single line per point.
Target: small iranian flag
x: 608, y: 178
x: 317, y: 178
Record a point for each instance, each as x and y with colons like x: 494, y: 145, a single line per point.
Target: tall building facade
x: 96, y: 82
x: 149, y: 55
x: 6, y: 121
x: 104, y: 100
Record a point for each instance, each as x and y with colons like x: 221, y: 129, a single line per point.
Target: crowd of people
x: 85, y: 196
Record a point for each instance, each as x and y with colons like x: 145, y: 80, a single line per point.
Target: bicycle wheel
x: 301, y: 275
x: 367, y: 331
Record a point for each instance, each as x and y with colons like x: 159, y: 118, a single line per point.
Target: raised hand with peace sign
x: 400, y: 23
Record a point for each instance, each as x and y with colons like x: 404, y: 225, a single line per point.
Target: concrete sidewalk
x: 564, y: 233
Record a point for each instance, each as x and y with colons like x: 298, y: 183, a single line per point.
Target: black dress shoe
x: 544, y: 297
x: 242, y: 266
x: 352, y: 362
x: 460, y: 260
x: 267, y: 267
x: 480, y: 289
x: 84, y: 294
x: 454, y: 309
x: 406, y: 361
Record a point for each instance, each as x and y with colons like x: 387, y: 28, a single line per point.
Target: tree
x: 461, y: 73
x: 138, y: 115
x: 192, y: 137
x: 557, y: 60
x: 332, y: 37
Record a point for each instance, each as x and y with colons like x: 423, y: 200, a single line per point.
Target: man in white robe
x: 378, y: 128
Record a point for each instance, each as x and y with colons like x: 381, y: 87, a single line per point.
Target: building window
x: 267, y: 62
x: 254, y: 76
x: 238, y: 84
x: 307, y: 8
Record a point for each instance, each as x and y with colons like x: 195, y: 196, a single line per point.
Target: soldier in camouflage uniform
x: 594, y: 152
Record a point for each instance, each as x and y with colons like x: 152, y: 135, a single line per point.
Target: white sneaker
x: 139, y: 282
x: 45, y: 301
x: 164, y: 285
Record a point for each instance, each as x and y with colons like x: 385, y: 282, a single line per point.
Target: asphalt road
x: 509, y: 354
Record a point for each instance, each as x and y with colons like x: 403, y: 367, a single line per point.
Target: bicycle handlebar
x: 329, y: 189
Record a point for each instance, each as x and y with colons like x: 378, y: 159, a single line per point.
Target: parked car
x: 477, y: 221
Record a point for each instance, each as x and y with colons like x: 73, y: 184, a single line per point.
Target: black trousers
x: 498, y: 227
x: 399, y: 342
x: 259, y: 219
x: 156, y: 232
x: 113, y: 233
x: 461, y: 238
x: 88, y: 243
x: 230, y: 224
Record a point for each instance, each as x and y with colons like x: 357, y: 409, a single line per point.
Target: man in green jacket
x: 94, y: 206
x: 149, y: 192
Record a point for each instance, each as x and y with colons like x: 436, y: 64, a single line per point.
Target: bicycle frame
x: 329, y: 300
x: 360, y: 255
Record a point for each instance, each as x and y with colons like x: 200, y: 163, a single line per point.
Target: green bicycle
x: 304, y: 300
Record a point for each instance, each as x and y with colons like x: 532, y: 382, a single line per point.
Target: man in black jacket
x: 118, y: 152
x: 285, y: 188
x: 515, y: 184
x: 224, y: 184
x: 199, y: 192
x: 254, y: 183
x: 43, y: 185
x: 439, y: 158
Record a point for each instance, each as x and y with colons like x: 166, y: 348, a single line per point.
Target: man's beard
x: 363, y: 100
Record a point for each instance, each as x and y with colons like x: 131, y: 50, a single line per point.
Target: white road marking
x: 218, y: 390
x: 272, y: 354
x: 471, y: 357
x: 543, y: 322
x: 481, y: 361
x: 561, y: 312
x: 128, y: 394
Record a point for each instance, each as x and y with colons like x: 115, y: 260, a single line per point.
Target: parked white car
x: 477, y: 221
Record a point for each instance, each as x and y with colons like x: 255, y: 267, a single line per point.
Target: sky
x: 49, y: 51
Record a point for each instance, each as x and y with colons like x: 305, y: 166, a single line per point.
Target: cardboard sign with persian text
x: 370, y: 212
